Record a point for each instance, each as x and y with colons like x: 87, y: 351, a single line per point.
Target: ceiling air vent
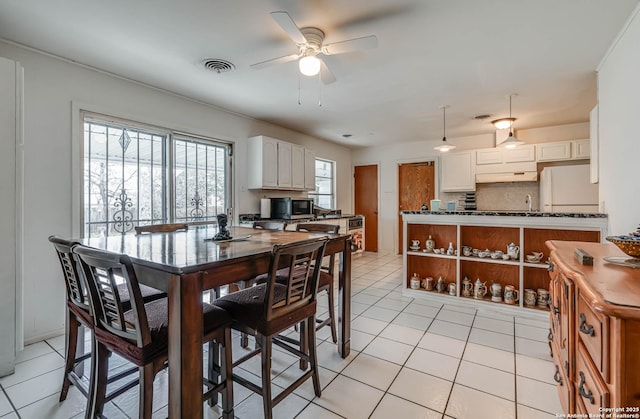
x: 218, y: 65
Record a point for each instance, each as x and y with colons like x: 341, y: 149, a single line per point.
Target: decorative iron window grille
x: 136, y: 175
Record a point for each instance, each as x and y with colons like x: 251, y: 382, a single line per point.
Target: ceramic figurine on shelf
x: 467, y: 287
x: 479, y: 289
x: 450, y: 250
x: 496, y: 292
x: 513, y: 250
x: 511, y: 294
x: 441, y: 285
x: 429, y: 244
x: 415, y: 281
x: 427, y: 283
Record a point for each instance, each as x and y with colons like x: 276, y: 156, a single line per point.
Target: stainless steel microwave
x: 291, y: 208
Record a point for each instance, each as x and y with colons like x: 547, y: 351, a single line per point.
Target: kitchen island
x: 485, y: 234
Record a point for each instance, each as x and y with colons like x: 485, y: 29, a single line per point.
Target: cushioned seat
x: 247, y: 306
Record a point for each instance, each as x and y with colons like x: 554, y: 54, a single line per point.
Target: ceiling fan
x: 311, y: 48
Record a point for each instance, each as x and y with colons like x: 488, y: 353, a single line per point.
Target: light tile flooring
x: 410, y: 358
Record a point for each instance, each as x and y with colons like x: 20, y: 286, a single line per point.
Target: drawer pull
x: 551, y: 266
x: 584, y: 328
x: 556, y: 377
x: 582, y: 392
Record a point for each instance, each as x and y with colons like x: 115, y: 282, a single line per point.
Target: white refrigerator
x: 568, y: 189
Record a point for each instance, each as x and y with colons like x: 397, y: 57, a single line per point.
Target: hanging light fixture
x: 444, y: 147
x: 511, y: 140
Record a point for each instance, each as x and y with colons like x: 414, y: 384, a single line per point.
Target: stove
x: 355, y: 226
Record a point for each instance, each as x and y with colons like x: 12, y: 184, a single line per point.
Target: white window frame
x: 313, y: 194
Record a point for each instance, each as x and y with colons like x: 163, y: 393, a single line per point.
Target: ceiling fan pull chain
x: 319, y: 92
x: 299, y: 101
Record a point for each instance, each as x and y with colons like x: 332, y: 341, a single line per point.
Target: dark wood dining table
x: 186, y: 263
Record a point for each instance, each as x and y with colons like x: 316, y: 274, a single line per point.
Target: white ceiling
x: 468, y: 54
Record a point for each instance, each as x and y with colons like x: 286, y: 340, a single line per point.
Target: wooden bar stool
x: 267, y: 309
x: 140, y: 334
x: 79, y: 314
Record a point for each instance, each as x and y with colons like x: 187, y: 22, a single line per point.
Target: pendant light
x: 511, y: 140
x: 444, y: 147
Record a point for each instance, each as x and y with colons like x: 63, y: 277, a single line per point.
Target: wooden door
x: 366, y: 203
x: 416, y: 186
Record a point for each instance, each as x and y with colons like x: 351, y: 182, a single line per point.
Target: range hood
x: 525, y: 176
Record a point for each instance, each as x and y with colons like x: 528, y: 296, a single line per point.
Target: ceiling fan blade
x: 351, y: 45
x: 289, y: 26
x: 279, y: 60
x: 326, y: 75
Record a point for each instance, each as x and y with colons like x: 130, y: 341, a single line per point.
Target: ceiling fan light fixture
x: 309, y: 65
x: 503, y: 123
x: 444, y: 147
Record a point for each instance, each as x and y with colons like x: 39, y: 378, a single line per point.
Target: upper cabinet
x: 581, y: 149
x: 458, y: 172
x: 520, y: 154
x: 563, y: 150
x: 554, y: 151
x: 309, y: 170
x: 284, y: 164
x: 489, y: 156
x: 500, y: 155
x: 297, y: 167
x: 276, y: 164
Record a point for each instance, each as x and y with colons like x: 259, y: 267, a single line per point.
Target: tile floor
x: 410, y: 358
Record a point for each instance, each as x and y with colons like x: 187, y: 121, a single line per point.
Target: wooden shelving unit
x: 493, y: 233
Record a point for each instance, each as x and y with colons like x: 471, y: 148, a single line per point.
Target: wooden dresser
x: 595, y: 331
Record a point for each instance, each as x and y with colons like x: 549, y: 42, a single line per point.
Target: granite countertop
x: 510, y: 214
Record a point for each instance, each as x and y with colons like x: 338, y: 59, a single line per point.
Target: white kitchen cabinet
x: 284, y: 164
x: 553, y: 151
x: 277, y: 164
x: 309, y: 170
x: 297, y: 167
x: 522, y: 153
x: 581, y: 149
x: 458, y: 172
x: 489, y: 156
x: 262, y: 160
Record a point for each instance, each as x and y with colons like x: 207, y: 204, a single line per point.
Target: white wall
x: 618, y: 105
x: 52, y: 87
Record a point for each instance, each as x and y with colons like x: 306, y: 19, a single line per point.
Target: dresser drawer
x: 593, y: 331
x: 590, y: 389
x: 563, y: 385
